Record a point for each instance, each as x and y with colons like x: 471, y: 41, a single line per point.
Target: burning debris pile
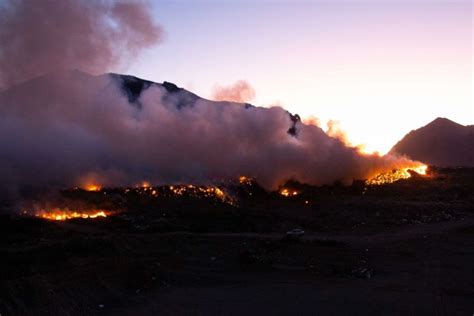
x: 288, y: 192
x: 230, y: 193
x: 58, y: 214
x: 144, y: 192
x: 396, y: 175
x: 183, y: 190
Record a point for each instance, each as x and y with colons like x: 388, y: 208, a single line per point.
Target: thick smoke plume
x: 334, y: 130
x: 37, y: 37
x: 70, y: 128
x: 240, y: 91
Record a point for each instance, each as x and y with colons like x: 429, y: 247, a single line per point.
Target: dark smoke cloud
x: 70, y: 128
x: 37, y: 37
x: 240, y: 91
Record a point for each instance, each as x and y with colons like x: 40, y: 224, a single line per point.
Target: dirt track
x: 423, y: 271
x: 404, y: 233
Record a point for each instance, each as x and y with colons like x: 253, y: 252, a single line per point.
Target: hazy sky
x: 381, y: 68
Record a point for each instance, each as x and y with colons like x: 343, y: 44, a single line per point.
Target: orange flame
x: 396, y: 175
x: 93, y: 188
x: 63, y: 215
x: 287, y: 192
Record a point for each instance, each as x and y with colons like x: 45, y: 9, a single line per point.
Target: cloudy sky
x: 380, y: 68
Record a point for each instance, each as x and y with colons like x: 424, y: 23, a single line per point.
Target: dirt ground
x: 402, y: 249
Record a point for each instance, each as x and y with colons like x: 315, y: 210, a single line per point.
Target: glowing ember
x: 245, y: 180
x: 185, y: 190
x: 93, y: 188
x: 396, y: 175
x: 287, y: 192
x: 63, y: 215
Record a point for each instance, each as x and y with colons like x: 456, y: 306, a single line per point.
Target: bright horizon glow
x: 379, y: 68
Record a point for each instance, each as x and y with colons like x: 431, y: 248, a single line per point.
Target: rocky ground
x: 401, y: 249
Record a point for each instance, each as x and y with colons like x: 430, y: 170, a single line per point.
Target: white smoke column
x: 37, y: 37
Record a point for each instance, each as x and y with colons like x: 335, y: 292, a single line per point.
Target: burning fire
x: 189, y: 190
x: 245, y: 180
x: 196, y: 191
x: 396, y: 175
x: 93, y: 188
x: 63, y: 215
x: 287, y: 192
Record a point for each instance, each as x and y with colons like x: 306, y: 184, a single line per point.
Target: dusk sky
x: 380, y: 68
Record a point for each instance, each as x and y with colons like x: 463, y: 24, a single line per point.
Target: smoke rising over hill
x: 69, y: 128
x: 240, y: 91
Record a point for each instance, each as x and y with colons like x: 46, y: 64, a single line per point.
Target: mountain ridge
x: 442, y: 143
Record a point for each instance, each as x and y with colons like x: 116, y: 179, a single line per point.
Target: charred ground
x: 405, y: 247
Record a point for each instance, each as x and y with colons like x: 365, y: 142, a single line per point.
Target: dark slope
x: 441, y: 143
x: 132, y: 87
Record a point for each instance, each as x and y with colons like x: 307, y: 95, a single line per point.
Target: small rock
x: 364, y: 273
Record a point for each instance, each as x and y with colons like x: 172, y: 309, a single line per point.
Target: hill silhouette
x: 442, y: 143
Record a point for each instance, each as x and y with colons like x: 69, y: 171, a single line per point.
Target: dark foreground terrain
x: 405, y: 248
